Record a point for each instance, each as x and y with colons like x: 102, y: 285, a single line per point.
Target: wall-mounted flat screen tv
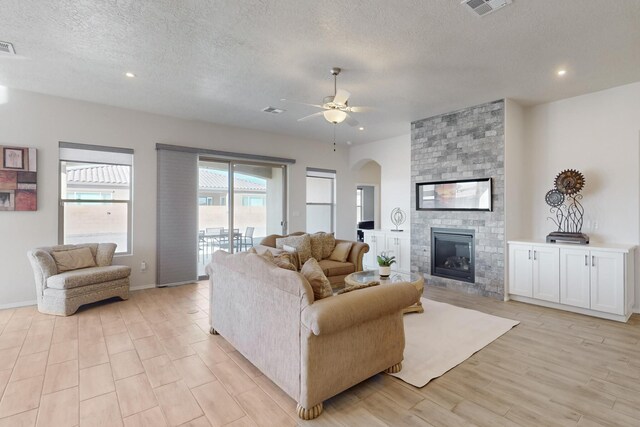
x: 462, y: 195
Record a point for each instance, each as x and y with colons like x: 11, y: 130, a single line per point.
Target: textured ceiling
x: 224, y: 60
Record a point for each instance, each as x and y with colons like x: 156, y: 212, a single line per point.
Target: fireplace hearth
x: 452, y: 254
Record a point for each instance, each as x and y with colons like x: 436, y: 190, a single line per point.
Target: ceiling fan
x: 335, y: 107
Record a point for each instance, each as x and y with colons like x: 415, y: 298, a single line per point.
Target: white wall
x: 394, y: 157
x: 599, y: 135
x: 40, y: 121
x: 515, y: 165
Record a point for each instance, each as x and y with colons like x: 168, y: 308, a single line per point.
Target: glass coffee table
x: 417, y: 280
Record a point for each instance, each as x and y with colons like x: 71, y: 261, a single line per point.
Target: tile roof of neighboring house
x: 214, y: 180
x: 98, y: 174
x: 119, y: 175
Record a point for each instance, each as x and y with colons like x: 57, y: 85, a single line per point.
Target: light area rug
x: 443, y: 337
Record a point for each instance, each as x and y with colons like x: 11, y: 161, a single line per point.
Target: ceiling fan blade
x: 360, y: 109
x: 342, y: 96
x: 351, y: 121
x: 301, y: 103
x: 319, y: 113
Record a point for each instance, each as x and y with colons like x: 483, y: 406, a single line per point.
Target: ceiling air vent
x: 273, y: 110
x: 6, y: 47
x: 485, y: 7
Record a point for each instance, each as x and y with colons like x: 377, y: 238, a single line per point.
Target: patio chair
x: 246, y: 241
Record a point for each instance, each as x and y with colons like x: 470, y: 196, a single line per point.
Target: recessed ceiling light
x: 129, y: 74
x: 361, y: 128
x: 562, y: 72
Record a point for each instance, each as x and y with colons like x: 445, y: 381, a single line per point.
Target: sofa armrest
x: 340, y: 312
x: 357, y: 253
x: 104, y: 254
x: 43, y: 266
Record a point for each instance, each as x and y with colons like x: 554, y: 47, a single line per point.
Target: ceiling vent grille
x: 7, y: 48
x: 485, y: 7
x: 273, y: 110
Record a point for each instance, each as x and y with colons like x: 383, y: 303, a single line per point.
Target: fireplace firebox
x: 452, y: 254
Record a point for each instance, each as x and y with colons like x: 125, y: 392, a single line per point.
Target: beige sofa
x: 334, y: 270
x: 63, y: 293
x: 311, y: 350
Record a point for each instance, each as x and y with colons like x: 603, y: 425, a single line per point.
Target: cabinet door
x: 392, y: 249
x: 607, y: 282
x: 521, y: 270
x: 546, y: 273
x: 369, y: 260
x: 575, y: 273
x: 402, y: 252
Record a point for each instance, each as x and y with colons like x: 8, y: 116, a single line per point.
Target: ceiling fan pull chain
x: 334, y: 137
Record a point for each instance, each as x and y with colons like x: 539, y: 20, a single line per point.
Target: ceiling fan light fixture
x: 334, y: 115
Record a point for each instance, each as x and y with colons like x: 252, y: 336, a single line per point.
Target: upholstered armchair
x: 67, y: 278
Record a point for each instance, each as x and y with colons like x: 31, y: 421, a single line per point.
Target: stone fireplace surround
x: 464, y: 144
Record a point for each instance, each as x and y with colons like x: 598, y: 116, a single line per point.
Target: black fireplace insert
x: 452, y: 254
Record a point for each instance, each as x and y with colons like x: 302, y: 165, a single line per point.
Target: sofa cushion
x: 302, y: 244
x: 328, y: 245
x: 336, y: 268
x: 88, y: 276
x: 285, y: 260
x: 319, y: 283
x: 270, y: 240
x: 73, y: 259
x: 316, y: 240
x: 341, y: 251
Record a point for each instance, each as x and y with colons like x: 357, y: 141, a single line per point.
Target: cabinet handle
x: 529, y: 253
x: 586, y: 260
x: 593, y: 261
x: 534, y: 255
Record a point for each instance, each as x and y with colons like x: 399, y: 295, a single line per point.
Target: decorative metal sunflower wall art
x: 565, y: 204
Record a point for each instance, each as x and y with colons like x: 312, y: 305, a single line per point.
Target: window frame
x: 324, y: 174
x: 129, y: 202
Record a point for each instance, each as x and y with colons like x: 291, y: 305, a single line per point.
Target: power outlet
x: 143, y: 266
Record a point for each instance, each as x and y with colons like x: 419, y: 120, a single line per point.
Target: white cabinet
x: 521, y: 270
x: 607, y: 282
x: 575, y: 276
x: 399, y: 246
x: 546, y: 273
x: 534, y: 272
x: 595, y: 280
x: 376, y: 242
x: 394, y: 243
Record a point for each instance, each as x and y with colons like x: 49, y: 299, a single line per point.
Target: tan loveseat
x: 62, y: 293
x: 334, y: 270
x: 312, y: 350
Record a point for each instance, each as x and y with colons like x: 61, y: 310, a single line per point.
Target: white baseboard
x: 18, y: 304
x: 141, y: 287
x: 586, y: 312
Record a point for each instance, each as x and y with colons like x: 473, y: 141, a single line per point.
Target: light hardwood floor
x: 150, y: 361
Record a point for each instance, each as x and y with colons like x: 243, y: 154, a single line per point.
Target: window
x: 92, y: 196
x: 252, y: 201
x: 205, y: 201
x: 358, y: 205
x: 321, y: 200
x: 95, y: 195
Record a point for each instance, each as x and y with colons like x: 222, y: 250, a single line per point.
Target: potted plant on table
x: 384, y: 262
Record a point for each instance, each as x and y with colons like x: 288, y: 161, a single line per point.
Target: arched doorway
x: 367, y: 177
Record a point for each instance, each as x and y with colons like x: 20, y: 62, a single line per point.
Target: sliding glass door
x: 239, y: 204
